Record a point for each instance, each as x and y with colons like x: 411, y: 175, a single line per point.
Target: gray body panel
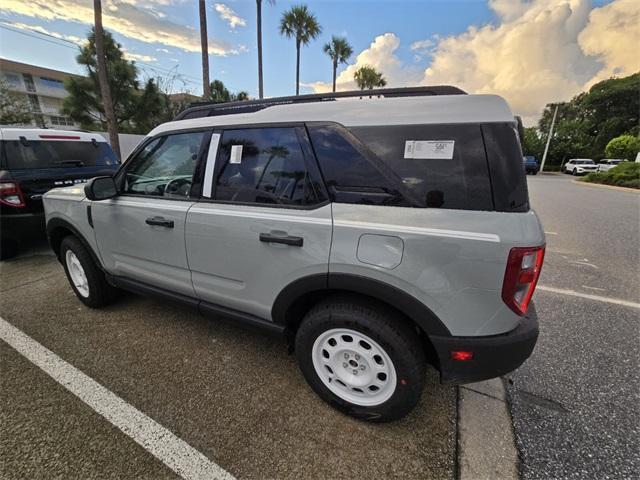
x: 453, y: 261
x: 233, y: 268
x: 151, y: 254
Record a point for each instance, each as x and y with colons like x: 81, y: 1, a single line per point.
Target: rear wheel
x: 86, y: 279
x: 362, y: 358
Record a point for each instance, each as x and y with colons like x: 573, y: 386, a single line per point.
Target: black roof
x: 211, y: 109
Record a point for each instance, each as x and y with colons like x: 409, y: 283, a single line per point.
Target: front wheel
x: 362, y: 358
x: 575, y: 172
x: 87, y: 280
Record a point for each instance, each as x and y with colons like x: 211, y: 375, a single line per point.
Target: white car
x: 580, y: 166
x: 608, y: 163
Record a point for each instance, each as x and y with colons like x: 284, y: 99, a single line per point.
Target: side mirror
x: 100, y: 188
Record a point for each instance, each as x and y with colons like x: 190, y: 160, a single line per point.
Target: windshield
x: 54, y: 154
x: 584, y: 162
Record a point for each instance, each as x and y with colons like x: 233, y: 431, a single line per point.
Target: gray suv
x: 376, y: 235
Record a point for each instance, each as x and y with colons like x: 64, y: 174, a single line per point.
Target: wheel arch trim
x: 56, y: 223
x: 407, y: 304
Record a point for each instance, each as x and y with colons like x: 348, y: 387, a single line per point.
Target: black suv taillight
x: 521, y: 277
x: 11, y: 195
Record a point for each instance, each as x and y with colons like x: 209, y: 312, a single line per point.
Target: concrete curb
x: 610, y: 187
x: 486, y: 442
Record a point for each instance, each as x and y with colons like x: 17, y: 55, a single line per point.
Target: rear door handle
x: 286, y: 240
x: 159, y: 222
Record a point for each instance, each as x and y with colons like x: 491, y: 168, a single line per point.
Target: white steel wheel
x: 77, y: 274
x: 354, y: 367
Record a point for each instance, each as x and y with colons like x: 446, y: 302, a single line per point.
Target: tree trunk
x: 260, y: 89
x: 105, y: 91
x: 206, y: 94
x: 297, y: 67
x: 335, y: 68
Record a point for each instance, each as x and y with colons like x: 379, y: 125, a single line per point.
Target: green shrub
x: 626, y: 174
x: 624, y: 146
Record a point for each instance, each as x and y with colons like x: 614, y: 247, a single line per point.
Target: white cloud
x: 542, y: 51
x: 163, y: 50
x: 228, y: 15
x: 539, y: 51
x: 139, y: 57
x: 613, y: 37
x: 139, y: 21
x: 36, y: 28
x: 380, y: 55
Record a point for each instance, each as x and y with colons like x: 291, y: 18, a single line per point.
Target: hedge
x: 626, y: 174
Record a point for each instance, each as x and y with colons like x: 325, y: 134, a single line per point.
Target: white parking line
x: 175, y: 453
x: 599, y: 298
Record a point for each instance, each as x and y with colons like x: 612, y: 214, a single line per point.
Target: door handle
x: 286, y: 240
x: 159, y: 222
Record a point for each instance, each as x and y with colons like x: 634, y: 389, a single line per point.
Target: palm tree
x: 205, y: 50
x: 339, y: 50
x: 300, y: 23
x: 368, y: 78
x: 220, y: 94
x: 259, y: 21
x: 105, y: 90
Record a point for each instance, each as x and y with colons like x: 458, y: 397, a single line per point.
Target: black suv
x: 33, y: 161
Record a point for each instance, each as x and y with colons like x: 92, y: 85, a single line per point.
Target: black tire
x: 534, y: 173
x: 385, y: 326
x: 575, y: 172
x: 100, y: 292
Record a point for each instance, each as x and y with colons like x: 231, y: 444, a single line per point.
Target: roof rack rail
x: 212, y: 109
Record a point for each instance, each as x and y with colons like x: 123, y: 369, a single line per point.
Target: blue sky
x: 458, y: 35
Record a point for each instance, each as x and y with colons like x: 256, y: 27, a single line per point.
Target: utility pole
x: 105, y: 90
x: 204, y: 42
x: 546, y: 147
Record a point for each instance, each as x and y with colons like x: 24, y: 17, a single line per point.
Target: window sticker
x: 429, y: 149
x: 236, y: 154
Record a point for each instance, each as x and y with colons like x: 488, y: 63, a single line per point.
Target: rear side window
x: 508, y: 178
x: 29, y: 154
x: 351, y: 172
x: 265, y: 166
x: 456, y: 179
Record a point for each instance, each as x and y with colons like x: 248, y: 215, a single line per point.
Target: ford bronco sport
x: 376, y: 234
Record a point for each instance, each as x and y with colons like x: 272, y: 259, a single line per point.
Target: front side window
x: 264, y: 166
x: 165, y: 166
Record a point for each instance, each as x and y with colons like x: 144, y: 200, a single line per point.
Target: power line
x: 34, y: 34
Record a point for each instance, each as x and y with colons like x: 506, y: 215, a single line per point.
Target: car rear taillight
x: 521, y: 276
x: 10, y: 194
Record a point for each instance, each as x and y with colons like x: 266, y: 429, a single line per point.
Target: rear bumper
x: 493, y: 356
x: 22, y: 225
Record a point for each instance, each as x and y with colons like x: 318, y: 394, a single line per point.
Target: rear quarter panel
x: 453, y: 261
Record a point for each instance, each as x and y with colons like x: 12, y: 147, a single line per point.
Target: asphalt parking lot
x: 234, y: 395
x: 238, y: 398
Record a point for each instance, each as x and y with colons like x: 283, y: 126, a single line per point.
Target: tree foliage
x: 625, y: 147
x: 533, y: 143
x: 339, y: 50
x: 368, y: 78
x: 298, y: 22
x: 14, y: 109
x: 137, y: 110
x: 587, y: 122
x: 220, y: 93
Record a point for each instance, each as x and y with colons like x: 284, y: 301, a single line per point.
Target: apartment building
x: 43, y: 88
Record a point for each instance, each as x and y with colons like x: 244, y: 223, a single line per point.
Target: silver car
x: 376, y: 235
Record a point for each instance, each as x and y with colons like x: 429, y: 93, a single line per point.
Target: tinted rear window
x: 58, y: 154
x: 459, y: 181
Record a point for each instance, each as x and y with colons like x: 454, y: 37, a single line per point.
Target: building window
x: 12, y: 79
x: 28, y: 82
x: 51, y: 82
x: 34, y: 102
x: 61, y: 121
